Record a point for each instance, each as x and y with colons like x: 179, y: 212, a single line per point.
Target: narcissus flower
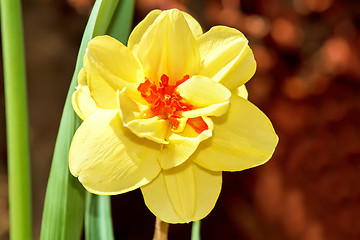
x: 167, y: 114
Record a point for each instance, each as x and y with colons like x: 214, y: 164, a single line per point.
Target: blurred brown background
x: 307, y: 82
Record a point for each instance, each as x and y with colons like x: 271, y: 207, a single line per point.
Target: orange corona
x: 167, y: 103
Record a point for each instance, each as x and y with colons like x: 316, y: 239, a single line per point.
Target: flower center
x: 167, y: 103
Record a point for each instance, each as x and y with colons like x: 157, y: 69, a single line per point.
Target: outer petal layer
x: 140, y: 29
x: 226, y: 56
x: 101, y: 91
x: 193, y: 24
x: 82, y: 102
x: 183, y: 194
x: 243, y: 138
x: 108, y: 71
x: 138, y: 32
x: 168, y: 47
x: 108, y: 158
x: 242, y: 92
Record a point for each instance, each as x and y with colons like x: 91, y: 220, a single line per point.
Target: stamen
x: 165, y: 102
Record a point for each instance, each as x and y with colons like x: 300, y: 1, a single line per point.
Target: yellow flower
x: 166, y: 114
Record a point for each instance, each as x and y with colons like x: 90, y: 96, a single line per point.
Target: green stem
x: 16, y: 120
x: 195, y: 231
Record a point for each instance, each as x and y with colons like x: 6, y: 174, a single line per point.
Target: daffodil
x: 167, y: 114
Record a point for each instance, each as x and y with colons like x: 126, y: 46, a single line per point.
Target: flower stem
x: 161, y: 230
x: 195, y: 232
x: 16, y: 120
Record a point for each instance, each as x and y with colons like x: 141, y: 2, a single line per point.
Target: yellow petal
x: 82, y: 102
x: 109, y: 159
x: 207, y: 96
x: 135, y: 118
x: 101, y: 91
x: 154, y: 129
x: 183, y: 194
x: 242, y: 92
x: 140, y: 29
x: 82, y: 78
x: 201, y: 91
x: 226, y: 56
x: 168, y: 47
x: 114, y: 62
x: 194, y: 25
x: 212, y: 110
x: 182, y: 145
x: 242, y: 138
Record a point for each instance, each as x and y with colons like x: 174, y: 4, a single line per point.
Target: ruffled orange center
x: 167, y: 103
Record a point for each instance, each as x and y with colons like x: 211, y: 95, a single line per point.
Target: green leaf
x: 98, y: 223
x: 120, y: 25
x: 104, y: 16
x: 195, y: 231
x: 16, y: 120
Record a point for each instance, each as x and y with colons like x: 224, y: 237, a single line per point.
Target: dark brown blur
x: 307, y: 82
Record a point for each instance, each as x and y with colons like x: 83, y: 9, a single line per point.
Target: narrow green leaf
x: 121, y: 22
x: 104, y: 16
x: 88, y: 35
x: 16, y: 120
x: 195, y: 231
x: 98, y: 222
x: 64, y: 201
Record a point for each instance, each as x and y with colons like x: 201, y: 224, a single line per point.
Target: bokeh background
x: 307, y: 82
